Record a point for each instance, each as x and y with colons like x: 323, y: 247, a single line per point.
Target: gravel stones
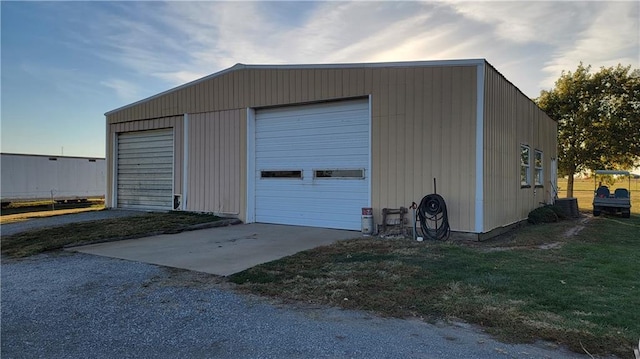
x: 71, y: 305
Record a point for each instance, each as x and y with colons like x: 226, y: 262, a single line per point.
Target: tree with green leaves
x: 598, y: 118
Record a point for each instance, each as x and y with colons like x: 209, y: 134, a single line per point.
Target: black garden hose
x: 432, y: 214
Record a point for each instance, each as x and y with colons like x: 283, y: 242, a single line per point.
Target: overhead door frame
x: 251, y: 156
x: 115, y: 154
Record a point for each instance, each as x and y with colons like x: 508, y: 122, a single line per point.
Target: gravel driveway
x: 37, y: 223
x: 71, y: 305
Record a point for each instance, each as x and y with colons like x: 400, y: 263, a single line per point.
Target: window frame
x: 263, y: 177
x: 538, y: 171
x: 360, y: 177
x: 525, y: 167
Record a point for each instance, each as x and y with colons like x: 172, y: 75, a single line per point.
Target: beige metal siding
x: 174, y: 122
x: 251, y: 88
x: 423, y: 126
x: 512, y: 119
x: 215, y: 161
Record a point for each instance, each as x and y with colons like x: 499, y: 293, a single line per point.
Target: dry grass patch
x: 48, y: 239
x: 534, y: 283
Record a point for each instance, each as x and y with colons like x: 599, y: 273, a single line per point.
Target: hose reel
x: 433, y: 217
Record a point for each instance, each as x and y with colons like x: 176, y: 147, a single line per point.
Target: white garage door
x: 312, y: 164
x: 145, y: 169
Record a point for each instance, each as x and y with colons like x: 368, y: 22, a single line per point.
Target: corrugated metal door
x: 312, y: 164
x: 145, y: 169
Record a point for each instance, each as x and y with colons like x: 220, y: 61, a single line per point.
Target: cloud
x: 59, y: 81
x: 331, y: 32
x: 527, y: 22
x: 597, y: 33
x: 125, y: 90
x: 177, y: 42
x: 612, y: 37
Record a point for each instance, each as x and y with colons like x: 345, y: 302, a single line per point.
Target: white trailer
x: 40, y: 177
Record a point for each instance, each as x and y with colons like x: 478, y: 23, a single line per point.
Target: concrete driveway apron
x: 223, y: 250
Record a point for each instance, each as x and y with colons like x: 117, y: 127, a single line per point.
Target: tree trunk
x: 570, y: 185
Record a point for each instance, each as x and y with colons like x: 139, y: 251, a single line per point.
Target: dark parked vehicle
x: 616, y: 201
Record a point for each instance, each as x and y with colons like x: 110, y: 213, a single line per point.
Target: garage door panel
x: 312, y: 190
x: 145, y: 169
x: 149, y: 147
x: 146, y: 193
x: 324, y: 162
x: 147, y: 153
x: 312, y: 110
x: 304, y: 155
x: 137, y: 162
x: 148, y: 167
x: 160, y: 159
x: 307, y: 138
x: 145, y: 204
x: 142, y: 180
x: 326, y: 207
x: 357, y: 154
x: 308, y: 201
x: 146, y: 147
x: 136, y: 140
x: 145, y: 200
x: 136, y: 186
x: 338, y: 222
x: 308, y: 132
x: 146, y: 184
x: 314, y: 144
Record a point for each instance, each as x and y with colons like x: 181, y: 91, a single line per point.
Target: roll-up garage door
x: 312, y: 164
x: 145, y: 169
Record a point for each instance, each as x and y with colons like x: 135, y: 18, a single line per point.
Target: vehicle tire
x: 596, y: 212
x: 626, y: 214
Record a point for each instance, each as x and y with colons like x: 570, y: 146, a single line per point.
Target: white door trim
x: 114, y: 171
x: 369, y: 176
x: 251, y: 165
x: 185, y: 161
x: 479, y: 200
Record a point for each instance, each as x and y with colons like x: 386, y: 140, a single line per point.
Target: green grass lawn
x: 579, y: 290
x: 48, y: 239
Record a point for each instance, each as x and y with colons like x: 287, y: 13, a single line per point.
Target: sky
x: 64, y: 64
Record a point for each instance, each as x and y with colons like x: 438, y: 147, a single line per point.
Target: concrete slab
x: 222, y: 251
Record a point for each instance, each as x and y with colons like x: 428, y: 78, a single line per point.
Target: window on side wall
x: 525, y: 166
x: 539, y: 178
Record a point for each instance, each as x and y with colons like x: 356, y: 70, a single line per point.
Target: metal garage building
x: 313, y: 144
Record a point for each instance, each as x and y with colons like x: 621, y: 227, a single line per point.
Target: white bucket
x: 367, y: 221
